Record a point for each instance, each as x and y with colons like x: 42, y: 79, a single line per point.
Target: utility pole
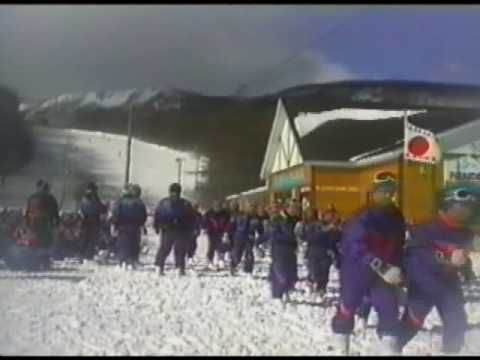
x: 66, y: 168
x: 129, y: 144
x: 180, y: 169
x: 197, y: 171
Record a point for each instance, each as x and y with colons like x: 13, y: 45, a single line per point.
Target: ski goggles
x: 461, y: 195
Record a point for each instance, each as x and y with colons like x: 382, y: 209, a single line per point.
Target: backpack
x: 38, y: 207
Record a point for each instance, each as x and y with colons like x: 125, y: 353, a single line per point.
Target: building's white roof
x: 307, y: 122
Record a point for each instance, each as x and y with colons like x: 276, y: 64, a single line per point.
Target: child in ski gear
x: 91, y: 209
x: 198, y: 219
x: 27, y: 252
x: 174, y: 217
x: 283, y: 268
x: 372, y: 249
x: 129, y: 215
x: 243, y: 229
x: 320, y: 251
x: 42, y: 214
x: 216, y: 222
x: 436, y: 251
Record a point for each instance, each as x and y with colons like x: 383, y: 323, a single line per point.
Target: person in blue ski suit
x: 91, y: 210
x: 129, y: 215
x: 372, y: 251
x: 244, y: 228
x: 216, y: 222
x: 175, y: 218
x: 197, y: 227
x: 283, y: 268
x: 320, y: 253
x: 436, y: 252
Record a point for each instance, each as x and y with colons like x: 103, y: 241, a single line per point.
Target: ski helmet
x: 39, y: 184
x: 175, y: 188
x: 126, y: 191
x: 460, y: 193
x: 91, y: 188
x: 136, y: 190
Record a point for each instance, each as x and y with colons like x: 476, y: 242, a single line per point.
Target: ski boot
x: 181, y: 273
x: 285, y: 299
x: 319, y: 296
x: 160, y: 271
x: 343, y: 344
x: 389, y: 346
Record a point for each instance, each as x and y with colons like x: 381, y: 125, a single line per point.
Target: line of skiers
x: 376, y: 252
x: 239, y: 233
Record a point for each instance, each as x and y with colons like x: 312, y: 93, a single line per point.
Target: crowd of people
x: 376, y: 253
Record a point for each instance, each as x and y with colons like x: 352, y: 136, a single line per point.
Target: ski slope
x: 101, y: 310
x: 68, y: 158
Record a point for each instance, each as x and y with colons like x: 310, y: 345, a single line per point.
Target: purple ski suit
x: 375, y: 232
x: 320, y: 253
x: 216, y: 224
x: 129, y: 216
x: 432, y: 282
x: 283, y: 269
x: 243, y: 228
x: 176, y: 220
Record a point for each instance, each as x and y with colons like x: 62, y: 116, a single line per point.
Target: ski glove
x: 225, y: 239
x: 459, y: 257
x: 389, y: 273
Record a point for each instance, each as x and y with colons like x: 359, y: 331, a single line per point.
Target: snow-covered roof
x: 255, y: 191
x: 307, y: 122
x: 233, y: 197
x: 23, y: 107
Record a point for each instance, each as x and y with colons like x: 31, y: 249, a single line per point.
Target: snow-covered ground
x: 100, y: 310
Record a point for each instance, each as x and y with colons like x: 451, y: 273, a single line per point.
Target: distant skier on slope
x: 129, y: 215
x: 436, y: 252
x: 372, y: 251
x: 175, y: 218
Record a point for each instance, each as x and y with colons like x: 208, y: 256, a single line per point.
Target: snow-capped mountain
x: 153, y: 99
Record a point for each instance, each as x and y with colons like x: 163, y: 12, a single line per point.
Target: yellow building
x: 330, y: 156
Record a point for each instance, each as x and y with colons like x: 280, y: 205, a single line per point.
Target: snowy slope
x: 96, y: 156
x: 99, y: 310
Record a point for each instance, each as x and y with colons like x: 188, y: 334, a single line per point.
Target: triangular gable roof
x: 283, y: 150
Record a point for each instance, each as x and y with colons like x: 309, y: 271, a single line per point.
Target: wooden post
x: 403, y: 168
x: 129, y: 145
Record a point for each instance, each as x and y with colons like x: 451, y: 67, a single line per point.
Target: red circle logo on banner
x: 418, y: 146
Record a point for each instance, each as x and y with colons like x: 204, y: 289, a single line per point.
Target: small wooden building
x: 257, y: 196
x: 330, y: 156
